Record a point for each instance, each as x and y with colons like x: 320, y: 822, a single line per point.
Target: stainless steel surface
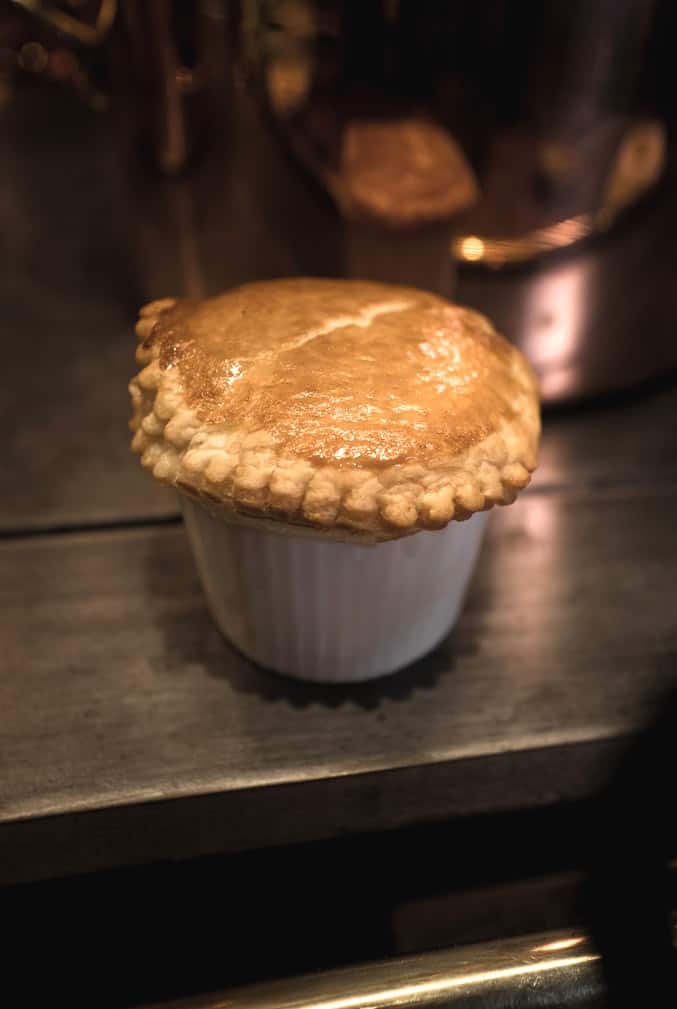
x: 530, y: 972
x: 68, y: 293
x: 594, y: 320
x: 132, y: 720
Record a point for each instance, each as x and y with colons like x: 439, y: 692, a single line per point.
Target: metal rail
x: 555, y: 969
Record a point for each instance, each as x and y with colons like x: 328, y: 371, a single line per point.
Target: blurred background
x: 516, y: 156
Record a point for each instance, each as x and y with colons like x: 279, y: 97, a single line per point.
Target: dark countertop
x: 132, y: 732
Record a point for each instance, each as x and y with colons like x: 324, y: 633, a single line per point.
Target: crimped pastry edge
x: 246, y: 479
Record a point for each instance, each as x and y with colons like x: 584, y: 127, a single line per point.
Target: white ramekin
x: 329, y: 611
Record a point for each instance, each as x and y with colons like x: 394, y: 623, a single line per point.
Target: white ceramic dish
x: 329, y: 611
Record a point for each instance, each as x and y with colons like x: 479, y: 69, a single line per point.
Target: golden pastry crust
x: 350, y: 408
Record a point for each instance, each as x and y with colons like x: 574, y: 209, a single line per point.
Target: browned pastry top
x: 341, y: 371
x: 339, y: 405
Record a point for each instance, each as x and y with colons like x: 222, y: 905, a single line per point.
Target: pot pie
x: 346, y: 408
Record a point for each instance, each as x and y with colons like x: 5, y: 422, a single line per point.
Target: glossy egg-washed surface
x: 341, y: 372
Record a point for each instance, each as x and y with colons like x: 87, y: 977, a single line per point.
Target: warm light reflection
x: 393, y: 996
x: 559, y: 944
x: 497, y: 251
x: 542, y: 527
x: 552, y: 320
x: 472, y: 248
x: 638, y: 165
x: 539, y: 518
